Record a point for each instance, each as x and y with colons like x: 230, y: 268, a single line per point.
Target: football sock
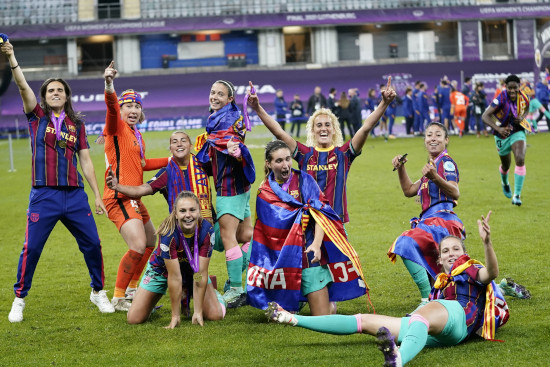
x: 503, y: 176
x: 139, y: 268
x: 420, y: 277
x: 246, y: 258
x: 126, y: 270
x: 331, y: 324
x: 415, y: 337
x: 519, y: 177
x: 234, y: 262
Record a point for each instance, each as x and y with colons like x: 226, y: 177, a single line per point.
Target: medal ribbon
x: 57, y: 122
x: 139, y: 140
x: 193, y: 260
x: 245, y: 109
x: 287, y: 183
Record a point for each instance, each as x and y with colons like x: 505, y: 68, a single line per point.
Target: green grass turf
x: 62, y: 328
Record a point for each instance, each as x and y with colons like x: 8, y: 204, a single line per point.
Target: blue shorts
x: 454, y: 331
x: 238, y: 206
x: 504, y: 146
x: 315, y: 279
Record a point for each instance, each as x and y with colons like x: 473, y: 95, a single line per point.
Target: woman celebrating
x: 125, y: 155
x: 302, y: 255
x: 506, y: 115
x: 325, y: 156
x: 180, y: 264
x: 58, y: 137
x: 438, y: 192
x: 465, y: 300
x: 233, y: 172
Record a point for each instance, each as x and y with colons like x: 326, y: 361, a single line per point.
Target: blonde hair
x: 168, y: 225
x: 337, y: 139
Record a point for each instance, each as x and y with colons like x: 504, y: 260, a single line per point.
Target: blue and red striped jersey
x: 228, y: 174
x: 430, y: 193
x: 53, y: 165
x: 329, y: 167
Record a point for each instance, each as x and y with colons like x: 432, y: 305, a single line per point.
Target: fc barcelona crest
x: 35, y: 217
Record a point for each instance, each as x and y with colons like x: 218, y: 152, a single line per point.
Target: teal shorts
x: 155, y: 282
x: 454, y: 331
x: 504, y: 146
x: 238, y: 206
x: 315, y: 279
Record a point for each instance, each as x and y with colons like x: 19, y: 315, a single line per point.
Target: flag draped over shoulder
x: 496, y: 311
x: 420, y: 244
x: 280, y: 232
x: 222, y: 126
x: 197, y: 183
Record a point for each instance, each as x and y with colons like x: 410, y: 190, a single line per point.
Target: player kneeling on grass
x: 465, y: 300
x: 180, y: 263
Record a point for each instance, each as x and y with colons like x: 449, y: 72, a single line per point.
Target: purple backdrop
x: 160, y: 25
x: 181, y: 101
x: 525, y: 38
x: 470, y: 40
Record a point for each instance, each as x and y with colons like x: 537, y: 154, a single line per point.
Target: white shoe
x: 17, y: 307
x: 120, y: 304
x: 130, y: 293
x: 101, y: 301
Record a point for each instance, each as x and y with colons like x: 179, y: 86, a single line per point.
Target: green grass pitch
x: 63, y: 328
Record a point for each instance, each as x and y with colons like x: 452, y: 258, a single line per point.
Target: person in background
x: 423, y: 102
x: 344, y: 115
x: 297, y: 115
x: 408, y: 111
x: 355, y: 110
x: 332, y: 102
x: 444, y: 95
x: 467, y: 90
x: 543, y: 96
x: 316, y: 101
x: 281, y: 108
x: 480, y: 104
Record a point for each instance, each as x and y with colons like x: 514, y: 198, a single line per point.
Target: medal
x: 193, y: 259
x: 57, y: 123
x: 62, y: 143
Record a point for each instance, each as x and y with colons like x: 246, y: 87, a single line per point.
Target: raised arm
x: 27, y: 95
x: 409, y: 188
x: 269, y: 122
x: 199, y: 290
x: 89, y: 173
x: 174, y: 288
x: 315, y: 246
x: 113, y: 109
x: 360, y: 137
x: 490, y: 271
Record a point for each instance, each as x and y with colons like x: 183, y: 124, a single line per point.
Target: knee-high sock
x: 420, y: 277
x: 415, y: 337
x: 126, y: 270
x: 331, y: 324
x: 234, y: 262
x: 503, y: 176
x: 139, y: 268
x: 519, y: 177
x: 246, y: 258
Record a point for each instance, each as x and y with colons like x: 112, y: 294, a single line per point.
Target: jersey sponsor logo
x: 263, y: 278
x: 34, y: 217
x: 424, y: 185
x: 64, y: 135
x: 322, y: 167
x: 449, y: 166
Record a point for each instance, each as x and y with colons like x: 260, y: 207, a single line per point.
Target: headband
x: 129, y: 96
x: 226, y: 83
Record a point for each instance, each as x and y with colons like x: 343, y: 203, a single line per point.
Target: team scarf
x: 197, y: 182
x: 222, y: 126
x: 496, y: 311
x: 520, y: 108
x: 420, y: 244
x: 277, y: 249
